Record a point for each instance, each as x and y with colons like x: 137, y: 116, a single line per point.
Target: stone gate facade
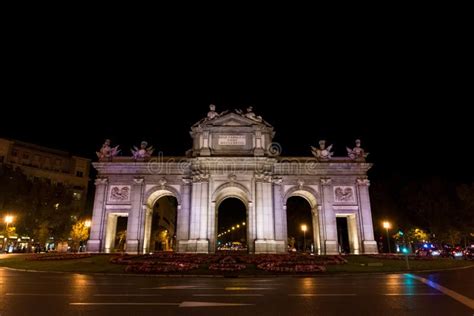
x: 232, y: 156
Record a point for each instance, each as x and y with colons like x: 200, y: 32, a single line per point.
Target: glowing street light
x: 87, y: 223
x: 243, y: 223
x: 304, y: 228
x: 8, y: 220
x: 387, y: 226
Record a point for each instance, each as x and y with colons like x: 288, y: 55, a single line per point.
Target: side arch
x: 157, y: 192
x: 312, y: 197
x: 308, y: 193
x: 149, y: 199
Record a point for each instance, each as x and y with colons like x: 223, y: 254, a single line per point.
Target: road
x: 446, y: 293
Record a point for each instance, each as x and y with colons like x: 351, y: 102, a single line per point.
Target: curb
x: 242, y: 276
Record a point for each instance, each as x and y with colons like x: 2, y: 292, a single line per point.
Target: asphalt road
x: 26, y: 293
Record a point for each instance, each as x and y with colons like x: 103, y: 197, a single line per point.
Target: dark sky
x: 408, y: 104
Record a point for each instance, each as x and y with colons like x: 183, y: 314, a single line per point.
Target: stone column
x: 281, y: 232
x: 198, y: 241
x: 95, y: 243
x: 353, y: 234
x: 203, y: 241
x: 365, y: 215
x: 330, y: 224
x: 316, y: 231
x: 145, y: 233
x: 184, y: 212
x: 259, y: 218
x: 110, y: 232
x: 265, y: 216
x: 195, y: 224
x: 133, y: 223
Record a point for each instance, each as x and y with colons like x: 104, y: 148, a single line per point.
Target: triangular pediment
x: 232, y: 120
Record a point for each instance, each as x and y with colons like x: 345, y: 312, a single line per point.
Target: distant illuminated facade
x: 56, y: 166
x: 233, y: 157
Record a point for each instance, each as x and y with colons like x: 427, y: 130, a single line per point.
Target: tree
x: 41, y: 209
x: 416, y: 235
x: 79, y: 233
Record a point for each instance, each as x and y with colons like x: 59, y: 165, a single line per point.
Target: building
x: 233, y: 157
x: 57, y: 166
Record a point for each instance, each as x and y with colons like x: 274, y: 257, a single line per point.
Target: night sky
x: 406, y: 100
x: 406, y: 129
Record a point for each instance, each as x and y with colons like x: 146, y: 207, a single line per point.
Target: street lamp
x: 304, y: 228
x: 387, y: 226
x: 87, y: 224
x: 8, y: 220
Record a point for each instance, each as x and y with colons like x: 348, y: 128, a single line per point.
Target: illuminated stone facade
x: 233, y: 156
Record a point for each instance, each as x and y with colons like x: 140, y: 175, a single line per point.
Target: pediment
x: 232, y: 120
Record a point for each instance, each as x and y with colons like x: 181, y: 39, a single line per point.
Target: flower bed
x: 164, y: 262
x: 291, y: 267
x: 57, y: 256
x: 227, y: 264
x: 160, y: 267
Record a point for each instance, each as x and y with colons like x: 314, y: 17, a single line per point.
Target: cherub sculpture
x: 143, y: 152
x: 250, y: 114
x: 322, y: 153
x: 106, y: 152
x: 212, y: 114
x: 357, y: 153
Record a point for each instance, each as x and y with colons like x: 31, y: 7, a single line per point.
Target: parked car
x: 428, y: 250
x: 457, y: 252
x: 469, y: 252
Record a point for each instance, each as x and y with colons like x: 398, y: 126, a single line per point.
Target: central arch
x: 231, y: 221
x: 230, y: 199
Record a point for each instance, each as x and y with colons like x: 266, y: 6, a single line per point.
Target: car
x: 457, y: 252
x: 428, y: 250
x: 469, y: 252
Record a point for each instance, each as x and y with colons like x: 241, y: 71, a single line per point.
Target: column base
x: 132, y: 246
x: 370, y: 247
x: 194, y: 246
x: 331, y: 247
x: 93, y: 245
x: 270, y: 246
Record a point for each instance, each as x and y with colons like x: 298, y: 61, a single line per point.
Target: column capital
x: 200, y: 176
x: 326, y: 181
x: 363, y: 182
x: 101, y: 181
x: 263, y: 176
x: 187, y: 180
x: 277, y: 180
x: 138, y: 180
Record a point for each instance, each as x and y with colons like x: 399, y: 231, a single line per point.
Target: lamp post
x: 387, y: 226
x: 87, y: 224
x: 304, y: 228
x: 8, y: 220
